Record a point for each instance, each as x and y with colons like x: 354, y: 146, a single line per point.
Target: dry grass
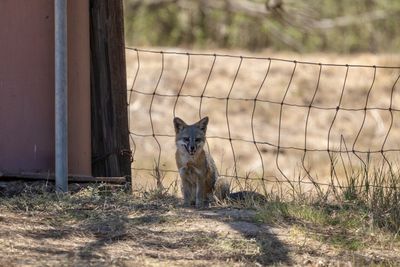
x: 106, y: 226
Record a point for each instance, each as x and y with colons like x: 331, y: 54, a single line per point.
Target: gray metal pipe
x: 61, y: 95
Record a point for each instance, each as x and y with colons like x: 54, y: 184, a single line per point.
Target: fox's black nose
x: 191, y: 149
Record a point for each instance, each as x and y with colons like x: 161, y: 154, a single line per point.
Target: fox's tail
x: 223, y: 192
x: 222, y: 188
x: 247, y: 195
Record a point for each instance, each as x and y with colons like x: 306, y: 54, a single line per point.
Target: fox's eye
x: 186, y: 139
x: 198, y: 139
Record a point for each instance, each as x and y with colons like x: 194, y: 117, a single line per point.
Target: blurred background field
x: 290, y: 25
x: 337, y: 32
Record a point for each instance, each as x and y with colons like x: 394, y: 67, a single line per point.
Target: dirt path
x: 221, y: 237
x: 106, y: 229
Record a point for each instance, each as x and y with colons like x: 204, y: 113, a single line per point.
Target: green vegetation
x: 303, y: 26
x: 350, y: 217
x: 345, y: 228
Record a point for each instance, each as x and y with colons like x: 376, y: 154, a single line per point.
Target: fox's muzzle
x: 191, y: 149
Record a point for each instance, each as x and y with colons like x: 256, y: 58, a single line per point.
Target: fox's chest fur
x: 199, y: 167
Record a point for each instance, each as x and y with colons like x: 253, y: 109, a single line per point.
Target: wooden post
x: 110, y: 132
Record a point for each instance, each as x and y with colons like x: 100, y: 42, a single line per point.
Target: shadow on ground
x: 272, y: 250
x: 102, y: 229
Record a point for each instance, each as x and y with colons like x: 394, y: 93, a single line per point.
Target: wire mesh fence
x: 272, y: 120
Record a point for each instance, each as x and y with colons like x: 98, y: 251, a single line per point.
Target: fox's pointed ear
x: 203, y: 124
x: 179, y: 124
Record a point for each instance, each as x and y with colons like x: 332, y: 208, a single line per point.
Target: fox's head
x: 190, y: 138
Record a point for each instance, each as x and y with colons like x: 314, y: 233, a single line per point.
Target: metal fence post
x: 61, y: 95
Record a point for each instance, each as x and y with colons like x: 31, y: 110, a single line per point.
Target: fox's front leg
x: 201, y: 193
x: 188, y: 199
x: 188, y: 193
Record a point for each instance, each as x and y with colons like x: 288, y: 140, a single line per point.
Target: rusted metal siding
x: 27, y: 86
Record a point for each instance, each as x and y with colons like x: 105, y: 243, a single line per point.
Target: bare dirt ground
x: 100, y: 226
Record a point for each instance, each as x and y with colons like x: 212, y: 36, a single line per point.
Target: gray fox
x: 200, y: 180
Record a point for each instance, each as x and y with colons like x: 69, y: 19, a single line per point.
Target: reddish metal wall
x: 27, y: 86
